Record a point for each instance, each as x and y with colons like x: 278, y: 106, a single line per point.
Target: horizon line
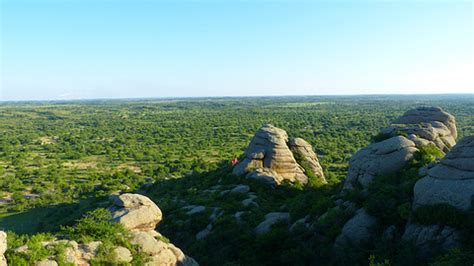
x: 229, y: 96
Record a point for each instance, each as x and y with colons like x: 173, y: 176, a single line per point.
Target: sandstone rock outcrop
x: 430, y: 239
x: 426, y: 125
x: 271, y: 219
x: 141, y: 215
x: 451, y: 180
x: 357, y: 229
x: 379, y: 158
x: 304, y: 151
x: 268, y: 158
x: 135, y: 212
x: 422, y: 126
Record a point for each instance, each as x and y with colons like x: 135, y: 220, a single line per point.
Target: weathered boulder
x: 135, y: 212
x: 379, y: 158
x: 431, y: 239
x: 303, y: 151
x: 451, y: 180
x: 357, y: 229
x: 46, y: 262
x: 122, y: 255
x: 271, y: 219
x: 426, y: 125
x: 268, y: 158
x: 3, y: 248
x: 160, y: 253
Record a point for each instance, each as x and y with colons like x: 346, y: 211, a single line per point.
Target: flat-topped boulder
x: 269, y: 158
x: 451, y: 180
x: 135, y: 212
x: 379, y: 158
x: 426, y: 125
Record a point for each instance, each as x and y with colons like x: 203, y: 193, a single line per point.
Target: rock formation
x: 357, y: 229
x: 451, y: 180
x: 136, y: 213
x: 422, y: 126
x: 379, y: 158
x: 430, y: 239
x: 141, y: 215
x: 304, y: 151
x: 269, y: 158
x: 426, y: 125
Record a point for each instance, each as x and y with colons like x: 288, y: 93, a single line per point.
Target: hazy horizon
x: 70, y: 50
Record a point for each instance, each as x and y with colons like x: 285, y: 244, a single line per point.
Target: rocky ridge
x: 270, y: 158
x: 136, y: 213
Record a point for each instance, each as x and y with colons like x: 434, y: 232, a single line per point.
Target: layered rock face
x: 303, y: 149
x: 426, y: 125
x: 379, y: 158
x: 451, y: 180
x: 136, y: 213
x: 422, y: 126
x: 430, y: 239
x: 269, y: 158
x: 141, y: 215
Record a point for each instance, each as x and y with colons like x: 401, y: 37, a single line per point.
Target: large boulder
x: 271, y: 219
x: 431, y: 239
x: 135, y: 212
x: 357, y: 230
x: 269, y: 158
x: 426, y: 125
x: 451, y: 180
x: 379, y: 158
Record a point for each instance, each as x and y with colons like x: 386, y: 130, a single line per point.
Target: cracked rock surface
x: 379, y: 158
x: 268, y: 158
x: 450, y: 181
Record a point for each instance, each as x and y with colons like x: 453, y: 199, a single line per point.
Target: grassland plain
x: 61, y: 159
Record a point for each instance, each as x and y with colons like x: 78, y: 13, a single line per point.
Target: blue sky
x: 71, y: 49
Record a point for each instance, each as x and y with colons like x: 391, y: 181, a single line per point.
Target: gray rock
x: 357, y: 230
x: 193, y: 209
x: 451, y: 180
x: 426, y: 125
x: 204, y: 233
x: 379, y: 158
x: 240, y: 189
x: 268, y: 158
x: 135, y: 212
x: 430, y: 239
x: 271, y: 219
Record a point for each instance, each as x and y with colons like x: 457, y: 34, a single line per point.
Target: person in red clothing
x: 234, y: 161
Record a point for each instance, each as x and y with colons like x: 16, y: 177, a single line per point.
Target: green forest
x: 60, y: 160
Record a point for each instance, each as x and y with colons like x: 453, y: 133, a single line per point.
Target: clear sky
x: 69, y: 49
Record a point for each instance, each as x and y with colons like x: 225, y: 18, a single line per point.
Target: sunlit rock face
x: 451, y: 180
x: 379, y: 158
x: 425, y: 125
x: 404, y: 137
x: 269, y: 158
x: 304, y: 150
